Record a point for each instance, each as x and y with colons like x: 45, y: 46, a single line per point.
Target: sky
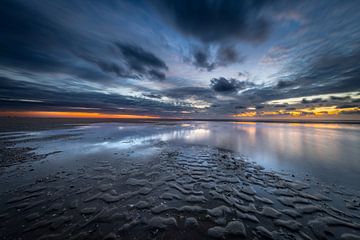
x: 180, y: 59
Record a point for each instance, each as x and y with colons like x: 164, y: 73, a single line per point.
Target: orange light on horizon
x: 302, y: 112
x: 53, y: 114
x: 245, y: 114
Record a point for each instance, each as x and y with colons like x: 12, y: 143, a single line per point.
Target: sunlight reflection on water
x: 323, y: 150
x: 320, y: 150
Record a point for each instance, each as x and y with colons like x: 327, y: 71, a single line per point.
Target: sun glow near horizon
x: 55, y: 114
x: 302, y: 112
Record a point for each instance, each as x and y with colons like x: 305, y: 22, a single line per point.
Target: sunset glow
x: 299, y: 112
x: 49, y: 114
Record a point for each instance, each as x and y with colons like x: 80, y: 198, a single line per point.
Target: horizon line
x: 159, y: 119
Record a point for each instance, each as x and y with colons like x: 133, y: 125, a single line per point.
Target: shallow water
x: 330, y: 152
x: 319, y: 150
x: 141, y: 181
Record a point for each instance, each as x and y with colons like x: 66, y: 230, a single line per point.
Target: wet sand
x: 151, y: 188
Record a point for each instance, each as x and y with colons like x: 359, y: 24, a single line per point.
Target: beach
x: 179, y: 180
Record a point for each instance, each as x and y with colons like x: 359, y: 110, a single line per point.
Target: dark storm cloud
x: 202, y: 60
x: 214, y: 21
x: 142, y: 61
x: 107, y: 66
x: 38, y: 42
x: 285, y: 84
x: 15, y: 95
x: 224, y: 24
x: 138, y: 58
x: 225, y: 55
x: 156, y: 75
x: 27, y: 36
x: 219, y: 23
x: 224, y: 85
x: 131, y: 61
x: 36, y: 38
x: 32, y: 41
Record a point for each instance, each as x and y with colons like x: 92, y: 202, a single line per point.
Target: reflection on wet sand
x: 311, y: 148
x: 318, y: 149
x: 188, y: 181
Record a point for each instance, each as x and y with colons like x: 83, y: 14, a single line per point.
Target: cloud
x: 285, y: 84
x: 183, y: 93
x: 87, y: 55
x: 152, y: 95
x: 240, y: 107
x: 224, y: 24
x: 227, y: 55
x: 216, y: 21
x: 348, y: 106
x: 15, y: 95
x: 131, y: 62
x: 201, y: 60
x: 244, y: 75
x: 29, y: 38
x: 108, y: 66
x: 156, y: 75
x: 35, y: 37
x: 281, y: 105
x: 35, y: 40
x: 327, y: 74
x: 315, y: 100
x: 260, y: 106
x: 142, y: 61
x: 224, y: 56
x: 275, y: 55
x: 336, y: 98
x: 224, y: 85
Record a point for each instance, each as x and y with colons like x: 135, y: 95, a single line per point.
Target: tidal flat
x: 180, y: 180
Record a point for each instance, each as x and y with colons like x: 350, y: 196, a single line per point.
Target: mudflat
x: 129, y: 181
